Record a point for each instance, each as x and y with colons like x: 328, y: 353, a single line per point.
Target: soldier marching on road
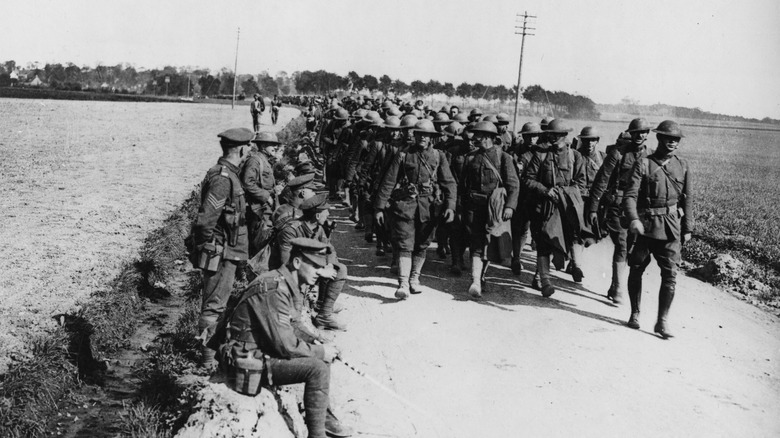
x: 421, y: 185
x: 607, y: 192
x: 659, y: 207
x: 256, y: 109
x: 521, y: 219
x: 483, y: 208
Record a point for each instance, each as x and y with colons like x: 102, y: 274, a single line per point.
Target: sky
x: 721, y: 56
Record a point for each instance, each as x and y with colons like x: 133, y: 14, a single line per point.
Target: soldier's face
x: 530, y: 140
x: 422, y: 141
x: 322, y: 217
x: 396, y: 134
x: 307, y: 272
x: 483, y: 141
x: 639, y: 137
x: 588, y: 145
x: 501, y: 128
x: 667, y: 143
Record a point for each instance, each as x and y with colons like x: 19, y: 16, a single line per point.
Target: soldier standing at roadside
x: 256, y: 109
x: 488, y: 169
x: 275, y: 105
x: 421, y: 185
x: 607, y: 190
x: 658, y: 203
x: 219, y: 234
x: 257, y: 179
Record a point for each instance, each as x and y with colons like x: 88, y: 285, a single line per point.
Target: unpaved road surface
x: 82, y: 185
x: 517, y: 364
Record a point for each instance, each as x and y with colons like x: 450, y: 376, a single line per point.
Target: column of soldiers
x: 410, y: 176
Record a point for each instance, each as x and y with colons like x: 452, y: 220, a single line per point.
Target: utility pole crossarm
x: 523, y: 31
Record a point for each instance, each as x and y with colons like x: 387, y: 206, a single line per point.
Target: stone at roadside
x: 222, y: 412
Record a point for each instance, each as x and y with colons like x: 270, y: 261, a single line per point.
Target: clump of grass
x: 31, y: 389
x: 292, y: 131
x: 140, y: 420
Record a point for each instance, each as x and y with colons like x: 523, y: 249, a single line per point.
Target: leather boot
x: 394, y: 263
x: 457, y: 265
x: 576, y: 259
x: 404, y: 270
x: 414, y: 278
x: 535, y: 281
x: 665, y: 297
x: 543, y: 268
x: 334, y: 428
x: 613, y: 286
x: 326, y: 319
x: 475, y: 290
x: 619, y: 276
x: 635, y: 296
x: 517, y: 266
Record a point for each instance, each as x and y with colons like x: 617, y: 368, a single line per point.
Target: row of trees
x: 560, y: 103
x: 125, y: 78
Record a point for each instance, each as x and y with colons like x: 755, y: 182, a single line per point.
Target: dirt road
x: 83, y: 184
x: 517, y: 364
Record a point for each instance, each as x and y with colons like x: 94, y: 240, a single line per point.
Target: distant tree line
x: 631, y: 106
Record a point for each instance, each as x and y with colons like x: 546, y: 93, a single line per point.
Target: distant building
x: 36, y: 82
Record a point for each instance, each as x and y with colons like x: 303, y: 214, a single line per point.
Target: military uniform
x: 256, y: 109
x: 378, y: 158
x: 275, y: 105
x: 262, y: 329
x: 421, y: 186
x: 553, y: 166
x: 257, y: 178
x: 220, y: 230
x: 659, y: 196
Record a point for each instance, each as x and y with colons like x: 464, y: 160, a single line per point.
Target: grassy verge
x: 60, y: 361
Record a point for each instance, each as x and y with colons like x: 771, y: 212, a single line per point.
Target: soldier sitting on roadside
x: 262, y: 341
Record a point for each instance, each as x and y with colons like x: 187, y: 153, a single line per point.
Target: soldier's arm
x: 211, y: 209
x: 601, y: 181
x: 251, y: 179
x: 368, y: 163
x: 275, y: 316
x: 531, y: 180
x: 687, y: 222
x: 578, y: 177
x: 511, y: 181
x: 284, y: 240
x: 353, y: 158
x: 388, y: 183
x: 631, y: 194
x: 446, y: 182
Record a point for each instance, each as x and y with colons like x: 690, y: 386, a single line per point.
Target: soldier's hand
x: 449, y: 216
x: 380, y: 218
x: 686, y: 238
x: 552, y: 194
x: 507, y: 214
x: 331, y: 352
x: 593, y: 219
x: 636, y: 227
x: 327, y: 272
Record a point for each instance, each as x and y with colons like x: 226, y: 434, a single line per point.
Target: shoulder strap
x: 671, y: 181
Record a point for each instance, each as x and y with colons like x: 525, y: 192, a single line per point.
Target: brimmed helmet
x: 441, y: 118
x: 589, y: 132
x: 503, y: 118
x: 408, y: 121
x: 392, y: 122
x: 669, y: 128
x: 638, y: 124
x: 558, y: 126
x: 425, y: 127
x: 485, y: 126
x: 531, y: 128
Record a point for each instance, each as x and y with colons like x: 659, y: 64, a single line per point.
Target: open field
x: 83, y: 184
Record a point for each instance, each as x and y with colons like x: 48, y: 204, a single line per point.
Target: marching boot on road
x: 659, y: 206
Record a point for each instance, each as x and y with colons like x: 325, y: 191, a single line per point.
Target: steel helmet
x: 545, y: 121
x: 453, y: 129
x: 490, y: 118
x: 408, y: 121
x: 531, y: 128
x: 441, y: 118
x: 462, y: 118
x: 386, y: 105
x: 392, y: 122
x: 503, y: 118
x: 265, y: 138
x: 428, y: 117
x: 476, y: 112
x: 341, y: 114
x: 334, y: 105
x: 444, y: 109
x: 372, y: 117
x: 669, y: 128
x: 558, y: 126
x: 589, y: 132
x: 359, y: 113
x: 485, y: 126
x: 425, y: 127
x: 638, y: 124
x: 394, y: 111
x: 417, y: 113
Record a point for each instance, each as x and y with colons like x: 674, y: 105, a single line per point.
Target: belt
x: 658, y: 211
x: 243, y: 336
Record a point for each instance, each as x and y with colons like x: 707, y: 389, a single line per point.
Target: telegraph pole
x: 235, y: 71
x: 523, y: 30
